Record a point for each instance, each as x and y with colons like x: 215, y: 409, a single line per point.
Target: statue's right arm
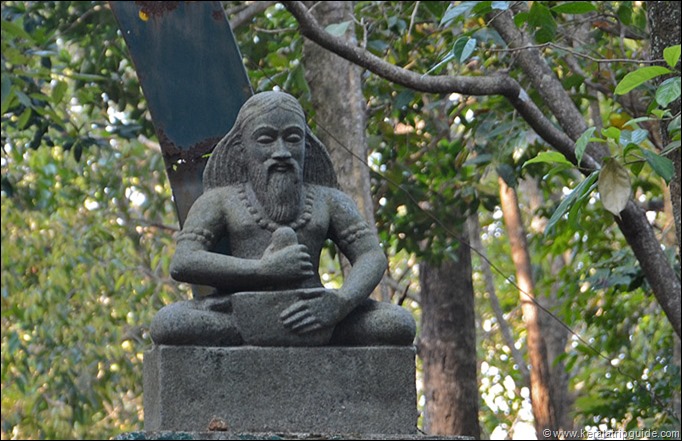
x: 194, y: 262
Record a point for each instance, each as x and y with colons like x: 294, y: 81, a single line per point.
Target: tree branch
x: 246, y: 14
x: 431, y: 84
x: 479, y: 86
x: 541, y: 76
x: 617, y: 29
x: 577, y: 54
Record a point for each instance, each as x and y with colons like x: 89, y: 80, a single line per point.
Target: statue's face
x: 275, y: 142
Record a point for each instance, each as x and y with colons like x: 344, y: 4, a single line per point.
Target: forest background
x: 517, y: 158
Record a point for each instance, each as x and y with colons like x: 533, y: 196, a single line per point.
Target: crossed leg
x: 375, y: 324
x: 193, y: 323
x: 209, y: 322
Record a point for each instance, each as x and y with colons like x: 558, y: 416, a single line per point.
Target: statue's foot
x: 376, y: 324
x: 190, y: 323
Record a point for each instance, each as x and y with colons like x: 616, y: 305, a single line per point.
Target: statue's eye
x: 293, y: 137
x: 265, y: 139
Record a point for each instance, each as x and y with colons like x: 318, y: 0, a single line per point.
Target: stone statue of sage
x: 271, y: 198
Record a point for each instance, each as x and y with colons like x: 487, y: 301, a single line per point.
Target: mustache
x: 281, y: 165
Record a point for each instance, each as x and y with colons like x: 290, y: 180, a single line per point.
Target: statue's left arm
x: 359, y: 244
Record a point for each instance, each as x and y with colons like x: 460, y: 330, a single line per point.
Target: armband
x: 353, y: 233
x: 200, y: 235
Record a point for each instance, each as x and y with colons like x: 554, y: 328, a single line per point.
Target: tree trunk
x: 447, y: 347
x: 340, y: 113
x: 540, y: 382
x: 475, y: 241
x: 677, y: 361
x: 556, y: 337
x: 340, y: 110
x: 664, y: 21
x: 554, y: 332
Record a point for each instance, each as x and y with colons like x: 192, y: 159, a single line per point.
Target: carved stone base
x: 360, y: 390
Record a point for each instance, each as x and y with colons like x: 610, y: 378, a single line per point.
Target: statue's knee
x: 166, y: 323
x: 183, y: 323
x: 376, y: 324
x: 393, y: 325
x: 403, y: 327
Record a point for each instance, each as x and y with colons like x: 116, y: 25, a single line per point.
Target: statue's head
x: 269, y: 139
x: 273, y: 138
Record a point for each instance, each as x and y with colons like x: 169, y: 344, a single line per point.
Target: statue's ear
x: 317, y: 167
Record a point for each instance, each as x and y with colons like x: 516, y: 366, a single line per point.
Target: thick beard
x: 278, y: 192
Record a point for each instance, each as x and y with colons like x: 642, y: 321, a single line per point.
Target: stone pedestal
x: 354, y: 390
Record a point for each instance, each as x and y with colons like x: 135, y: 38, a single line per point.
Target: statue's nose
x: 281, y: 152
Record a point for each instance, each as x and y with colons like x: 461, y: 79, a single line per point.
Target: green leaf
x: 581, y: 143
x: 668, y: 91
x: 662, y: 166
x: 614, y: 186
x: 581, y: 190
x: 15, y: 30
x: 463, y: 48
x: 23, y: 98
x: 638, y: 77
x: 672, y: 55
x: 449, y: 57
x: 541, y: 17
x: 58, y: 92
x: 574, y: 8
x: 6, y: 91
x: 87, y: 77
x: 482, y: 8
x: 636, y: 136
x: 378, y: 46
x: 611, y: 132
x: 658, y: 113
x: 549, y: 157
x: 506, y: 172
x: 674, y: 125
x: 578, y: 204
x: 625, y: 13
x: 521, y: 18
x: 636, y: 167
x: 570, y: 363
x: 455, y: 11
x: 634, y: 121
x: 403, y: 99
x: 23, y: 118
x: 670, y: 147
x: 338, y: 29
x: 629, y: 147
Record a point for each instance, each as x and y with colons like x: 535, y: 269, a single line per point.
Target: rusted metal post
x: 193, y: 78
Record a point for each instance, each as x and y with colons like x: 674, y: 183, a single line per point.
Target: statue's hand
x: 312, y: 314
x: 285, y: 258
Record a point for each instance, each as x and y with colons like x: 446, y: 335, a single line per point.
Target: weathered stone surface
x: 352, y: 390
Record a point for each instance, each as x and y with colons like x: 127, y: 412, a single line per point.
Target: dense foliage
x: 87, y: 222
x: 85, y: 247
